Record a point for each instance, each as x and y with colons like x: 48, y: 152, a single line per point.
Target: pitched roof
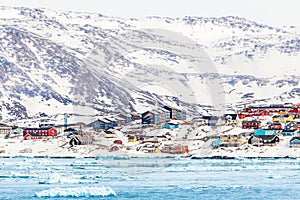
x: 38, y: 129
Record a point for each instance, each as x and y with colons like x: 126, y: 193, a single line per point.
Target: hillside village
x: 165, y: 131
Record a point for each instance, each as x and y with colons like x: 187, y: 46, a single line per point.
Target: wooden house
x: 283, y: 111
x: 290, y: 126
x: 230, y: 118
x: 295, y: 142
x: 262, y: 113
x: 39, y: 133
x: 259, y: 140
x: 230, y: 140
x: 101, y: 124
x: 132, y: 138
x: 175, y: 149
x: 294, y: 109
x: 254, y: 124
x: 109, y: 134
x: 242, y: 115
x: 135, y: 116
x: 275, y: 126
x: 282, y: 118
x: 5, y: 129
x: 81, y: 140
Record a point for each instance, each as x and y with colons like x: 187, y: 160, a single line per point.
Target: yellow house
x: 109, y: 134
x: 232, y: 140
x: 283, y: 112
x: 132, y: 138
x: 283, y: 119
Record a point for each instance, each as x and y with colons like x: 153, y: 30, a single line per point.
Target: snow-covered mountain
x: 67, y: 62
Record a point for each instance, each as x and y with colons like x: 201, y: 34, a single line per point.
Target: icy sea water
x: 149, y: 178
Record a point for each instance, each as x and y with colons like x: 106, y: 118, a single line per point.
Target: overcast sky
x: 272, y: 12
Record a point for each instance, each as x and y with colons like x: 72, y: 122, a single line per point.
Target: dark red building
x: 275, y: 126
x: 255, y: 124
x: 39, y: 133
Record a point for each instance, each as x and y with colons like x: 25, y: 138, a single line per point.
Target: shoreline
x: 152, y: 157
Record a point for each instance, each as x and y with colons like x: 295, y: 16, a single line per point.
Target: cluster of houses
x: 163, y: 115
x: 285, y: 121
x: 270, y: 110
x: 158, y: 116
x: 43, y: 131
x: 106, y: 126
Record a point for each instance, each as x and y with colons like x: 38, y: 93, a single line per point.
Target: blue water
x: 149, y: 178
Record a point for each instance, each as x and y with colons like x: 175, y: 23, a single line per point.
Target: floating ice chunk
x: 77, y: 192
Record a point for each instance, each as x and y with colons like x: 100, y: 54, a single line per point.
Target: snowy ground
x: 193, y: 136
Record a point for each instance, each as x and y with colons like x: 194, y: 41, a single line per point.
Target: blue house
x: 170, y: 125
x: 216, y: 143
x: 295, y: 142
x: 259, y: 132
x: 164, y: 114
x: 126, y: 117
x: 112, y: 120
x: 101, y: 124
x: 290, y: 132
x: 150, y: 117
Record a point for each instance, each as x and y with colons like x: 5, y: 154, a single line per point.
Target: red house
x: 255, y: 124
x: 294, y: 110
x: 39, y: 133
x: 263, y: 113
x: 275, y: 126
